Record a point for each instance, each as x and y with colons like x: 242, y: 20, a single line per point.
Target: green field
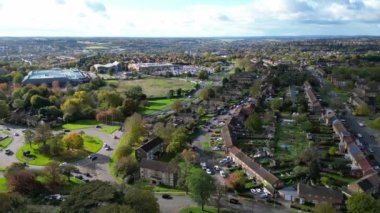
x: 156, y: 105
x: 155, y: 87
x: 91, y: 145
x: 80, y: 124
x: 109, y: 129
x: 5, y: 143
x: 3, y: 184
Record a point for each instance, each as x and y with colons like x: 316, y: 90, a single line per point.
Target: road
x: 17, y: 142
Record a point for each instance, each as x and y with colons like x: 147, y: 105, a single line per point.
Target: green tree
x: 17, y: 78
x: 88, y: 197
x: 114, y: 208
x: 362, y: 202
x: 12, y: 202
x: 38, y: 101
x: 28, y: 137
x: 134, y: 130
x: 177, y: 106
x: 361, y: 110
x: 204, y: 94
x: 255, y: 90
x: 179, y: 92
x: 203, y: 75
x: 67, y: 170
x: 171, y: 93
x: 314, y: 170
x: 332, y: 151
x: 276, y: 104
x: 4, y: 109
x: 253, y: 123
x: 324, y: 208
x: 201, y: 111
x: 141, y: 201
x: 201, y: 186
x: 178, y: 140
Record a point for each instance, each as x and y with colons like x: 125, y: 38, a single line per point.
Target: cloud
x: 224, y: 18
x: 96, y: 6
x: 60, y: 1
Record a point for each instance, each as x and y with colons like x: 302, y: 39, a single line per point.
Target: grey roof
x: 158, y: 166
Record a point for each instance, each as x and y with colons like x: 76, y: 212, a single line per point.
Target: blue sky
x: 188, y: 18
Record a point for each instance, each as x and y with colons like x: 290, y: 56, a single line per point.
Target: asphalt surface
x: 17, y: 142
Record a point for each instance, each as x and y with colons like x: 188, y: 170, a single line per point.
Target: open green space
x: 91, y: 145
x: 109, y: 129
x: 80, y: 124
x: 3, y: 185
x: 156, y: 87
x: 199, y: 210
x: 5, y: 143
x: 156, y: 105
x: 205, y: 145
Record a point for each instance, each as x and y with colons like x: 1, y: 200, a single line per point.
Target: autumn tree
x: 236, y: 180
x: 53, y: 175
x: 177, y: 106
x: 73, y: 140
x: 134, y: 130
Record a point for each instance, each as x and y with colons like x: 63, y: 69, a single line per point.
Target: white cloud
x: 260, y: 17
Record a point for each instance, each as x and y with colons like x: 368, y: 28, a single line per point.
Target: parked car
x: 167, y: 196
x: 359, y: 135
x: 15, y: 134
x: 63, y: 164
x: 253, y: 191
x: 216, y: 168
x: 115, y: 137
x: 98, y: 126
x: 80, y: 177
x: 234, y: 201
x: 208, y: 171
x: 66, y: 130
x: 93, y: 158
x: 8, y: 152
x: 361, y: 124
x: 264, y: 196
x: 203, y: 164
x: 222, y: 173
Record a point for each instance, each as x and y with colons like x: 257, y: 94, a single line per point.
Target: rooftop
x: 72, y: 74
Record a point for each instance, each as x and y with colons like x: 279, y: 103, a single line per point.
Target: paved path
x: 17, y: 142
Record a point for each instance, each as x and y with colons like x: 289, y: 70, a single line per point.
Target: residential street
x: 17, y: 142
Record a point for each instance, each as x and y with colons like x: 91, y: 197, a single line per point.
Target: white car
x: 203, y: 164
x: 216, y: 167
x: 208, y: 171
x: 63, y: 164
x: 361, y: 124
x: 259, y: 190
x: 253, y: 191
x: 222, y: 173
x: 359, y: 135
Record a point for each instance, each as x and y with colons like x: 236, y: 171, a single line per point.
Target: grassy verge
x: 80, y: 124
x: 199, y: 210
x: 345, y: 180
x: 156, y: 105
x: 371, y: 124
x: 110, y: 129
x: 3, y: 185
x: 5, y: 143
x: 91, y: 145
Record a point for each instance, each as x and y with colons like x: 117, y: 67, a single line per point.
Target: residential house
x: 150, y: 150
x: 319, y: 194
x: 328, y: 117
x: 157, y: 172
x: 369, y: 184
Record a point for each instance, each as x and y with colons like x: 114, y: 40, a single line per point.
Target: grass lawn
x: 80, y: 124
x: 371, y: 124
x: 205, y: 145
x: 3, y: 185
x: 91, y: 145
x: 109, y: 129
x: 5, y: 143
x: 345, y: 180
x: 199, y: 210
x: 156, y: 105
x: 156, y: 87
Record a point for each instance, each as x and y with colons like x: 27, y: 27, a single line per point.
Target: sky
x: 188, y: 18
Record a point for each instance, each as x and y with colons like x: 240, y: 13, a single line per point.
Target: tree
x: 38, y: 101
x: 134, y: 129
x: 12, y: 202
x: 201, y: 186
x: 203, y: 75
x: 88, y: 197
x: 141, y: 201
x: 362, y: 202
x: 362, y: 110
x: 126, y: 166
x: 253, y: 123
x: 18, y: 103
x: 4, y: 109
x: 17, y: 78
x: 201, y: 111
x: 114, y: 208
x: 179, y: 92
x: 255, y: 90
x: 178, y: 140
x: 130, y: 106
x: 23, y: 182
x: 28, y: 137
x: 325, y: 181
x: 53, y: 174
x: 73, y: 140
x: 276, y: 104
x: 189, y: 155
x: 377, y: 101
x: 177, y: 106
x: 67, y: 170
x: 220, y: 193
x: 332, y: 151
x: 204, y: 94
x: 171, y: 93
x: 236, y: 180
x: 314, y: 170
x: 300, y: 170
x: 324, y: 208
x: 42, y: 133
